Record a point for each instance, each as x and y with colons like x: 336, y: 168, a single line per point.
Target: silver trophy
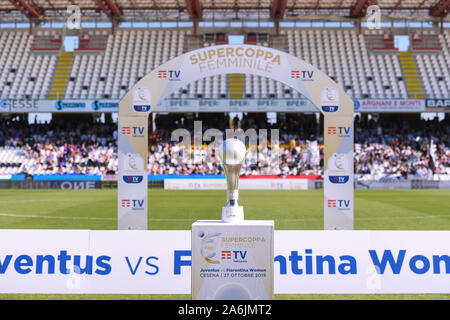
x: 232, y: 155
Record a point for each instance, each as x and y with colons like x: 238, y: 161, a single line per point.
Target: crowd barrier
x: 206, y: 182
x: 402, y: 184
x: 159, y: 262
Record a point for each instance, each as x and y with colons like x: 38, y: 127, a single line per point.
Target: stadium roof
x: 198, y: 9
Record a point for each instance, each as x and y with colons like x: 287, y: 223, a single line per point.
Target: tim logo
x: 173, y: 75
x: 275, y: 185
x: 338, y: 179
x: 133, y: 179
x: 304, y: 75
x: 342, y: 132
x: 226, y: 255
x: 132, y: 204
x: 330, y: 108
x: 339, y: 204
x: 136, y: 132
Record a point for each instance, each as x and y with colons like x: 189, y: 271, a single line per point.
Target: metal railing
x: 213, y: 96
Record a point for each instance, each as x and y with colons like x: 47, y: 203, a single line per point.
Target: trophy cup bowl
x: 232, y: 156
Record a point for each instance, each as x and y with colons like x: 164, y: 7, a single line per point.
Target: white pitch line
x: 12, y: 215
x: 404, y: 217
x: 177, y: 219
x: 52, y: 217
x: 34, y: 200
x: 193, y: 219
x: 368, y: 218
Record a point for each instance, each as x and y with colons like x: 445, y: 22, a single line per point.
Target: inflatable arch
x: 322, y: 91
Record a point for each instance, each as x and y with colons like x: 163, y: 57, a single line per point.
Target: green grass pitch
x: 177, y: 210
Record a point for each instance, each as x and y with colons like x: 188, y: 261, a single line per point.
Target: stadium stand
x: 22, y: 73
x: 105, y: 66
x: 434, y: 67
x: 46, y: 41
x: 109, y: 61
x: 128, y: 56
x: 342, y: 54
x: 383, y: 150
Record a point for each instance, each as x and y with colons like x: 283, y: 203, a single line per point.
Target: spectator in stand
x: 383, y: 150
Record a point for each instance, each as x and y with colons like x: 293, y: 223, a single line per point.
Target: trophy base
x: 232, y: 214
x: 232, y: 260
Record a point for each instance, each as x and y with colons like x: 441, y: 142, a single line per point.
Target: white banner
x: 438, y: 103
x: 167, y: 105
x: 244, y: 184
x: 235, y: 105
x: 273, y: 184
x: 195, y: 184
x: 158, y: 262
x: 216, y: 105
x: 389, y: 105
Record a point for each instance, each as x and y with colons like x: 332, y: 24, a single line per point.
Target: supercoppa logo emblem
x: 142, y: 100
x: 339, y: 168
x: 133, y: 163
x: 209, y: 244
x: 338, y: 164
x: 329, y: 100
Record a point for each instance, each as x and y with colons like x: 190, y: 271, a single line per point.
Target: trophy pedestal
x: 232, y: 214
x: 232, y: 260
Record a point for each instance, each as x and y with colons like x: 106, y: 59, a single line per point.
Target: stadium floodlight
x: 232, y: 155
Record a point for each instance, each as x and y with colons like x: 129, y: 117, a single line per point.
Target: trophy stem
x: 232, y: 212
x: 232, y: 196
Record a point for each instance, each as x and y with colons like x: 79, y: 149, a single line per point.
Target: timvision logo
x: 172, y: 75
x: 235, y: 255
x: 133, y: 179
x: 61, y: 105
x: 330, y: 108
x: 338, y: 179
x: 133, y: 204
x: 142, y: 108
